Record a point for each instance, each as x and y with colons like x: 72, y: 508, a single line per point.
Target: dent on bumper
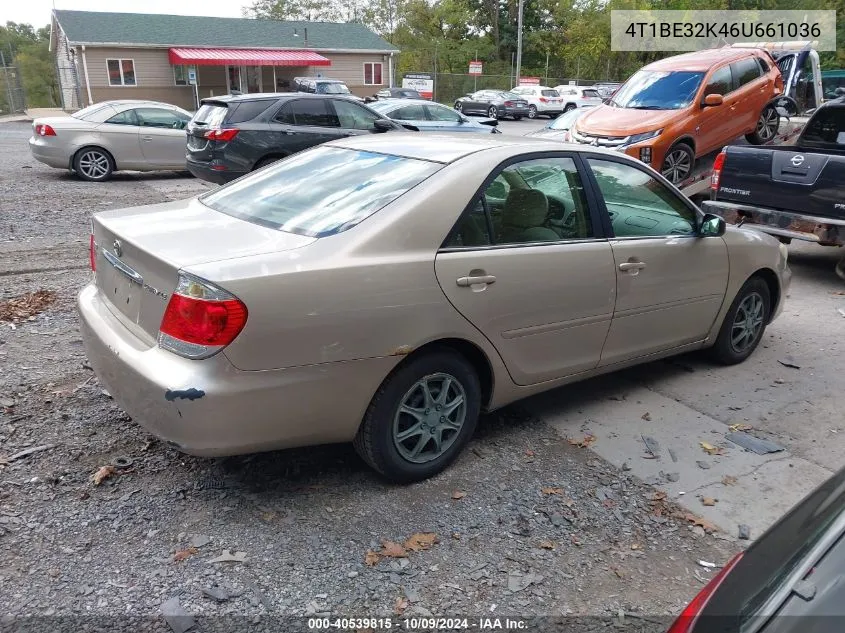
x: 208, y: 407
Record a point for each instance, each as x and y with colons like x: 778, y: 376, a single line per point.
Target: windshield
x: 320, y: 192
x: 658, y: 90
x: 332, y: 89
x: 566, y: 120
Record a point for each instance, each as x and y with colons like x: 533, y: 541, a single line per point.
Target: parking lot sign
x: 475, y: 68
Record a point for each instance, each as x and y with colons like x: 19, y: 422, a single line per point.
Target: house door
x: 244, y: 78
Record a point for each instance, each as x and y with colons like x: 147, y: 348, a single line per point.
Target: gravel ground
x: 526, y: 523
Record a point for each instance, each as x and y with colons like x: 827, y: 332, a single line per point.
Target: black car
x: 787, y: 580
x: 230, y: 136
x: 397, y: 93
x: 495, y: 104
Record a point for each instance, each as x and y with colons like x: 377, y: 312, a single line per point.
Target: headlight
x: 639, y: 138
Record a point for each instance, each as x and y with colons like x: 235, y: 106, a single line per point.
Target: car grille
x: 598, y: 139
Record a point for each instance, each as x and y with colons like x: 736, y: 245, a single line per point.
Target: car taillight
x: 225, y: 135
x: 508, y: 103
x: 716, y: 176
x: 42, y: 129
x: 200, y: 319
x: 543, y: 100
x: 686, y: 621
x: 92, y: 253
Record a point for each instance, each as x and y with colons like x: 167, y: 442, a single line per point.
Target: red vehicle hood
x: 609, y: 121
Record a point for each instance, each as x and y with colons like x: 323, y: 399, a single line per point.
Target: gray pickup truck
x: 790, y: 191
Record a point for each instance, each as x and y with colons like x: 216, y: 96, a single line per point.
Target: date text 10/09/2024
x: 417, y: 624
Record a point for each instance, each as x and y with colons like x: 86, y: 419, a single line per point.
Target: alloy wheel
x: 767, y: 124
x: 94, y: 164
x: 458, y: 106
x: 493, y: 112
x: 430, y: 418
x: 532, y: 112
x: 748, y: 323
x: 677, y: 165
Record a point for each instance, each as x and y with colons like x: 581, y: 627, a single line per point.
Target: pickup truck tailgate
x: 784, y: 178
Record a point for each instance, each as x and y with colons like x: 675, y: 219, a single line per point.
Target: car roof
x: 701, y: 60
x: 123, y: 102
x: 447, y: 148
x: 255, y: 96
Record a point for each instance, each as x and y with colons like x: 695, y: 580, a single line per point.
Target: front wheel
x: 678, y: 163
x: 744, y: 324
x: 767, y: 127
x: 93, y: 164
x: 458, y: 106
x: 421, y: 417
x: 492, y: 112
x: 569, y: 106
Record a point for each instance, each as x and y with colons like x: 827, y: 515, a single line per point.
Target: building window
x: 121, y: 72
x: 180, y: 75
x: 372, y: 74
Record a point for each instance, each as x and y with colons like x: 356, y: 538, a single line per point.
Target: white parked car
x: 579, y: 97
x: 541, y: 100
x: 112, y: 136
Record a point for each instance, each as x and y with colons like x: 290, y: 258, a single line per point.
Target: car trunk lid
x: 140, y: 251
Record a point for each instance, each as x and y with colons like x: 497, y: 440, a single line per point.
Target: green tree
x: 29, y: 49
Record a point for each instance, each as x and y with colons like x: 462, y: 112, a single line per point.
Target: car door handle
x: 147, y: 138
x: 626, y: 266
x: 465, y: 282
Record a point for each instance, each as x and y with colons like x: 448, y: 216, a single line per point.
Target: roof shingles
x: 94, y: 27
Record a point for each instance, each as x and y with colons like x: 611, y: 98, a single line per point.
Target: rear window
x: 96, y: 113
x: 247, y: 110
x: 826, y: 128
x: 747, y: 70
x: 550, y: 93
x: 210, y: 114
x: 591, y: 94
x: 320, y: 192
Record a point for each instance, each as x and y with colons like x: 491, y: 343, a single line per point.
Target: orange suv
x: 689, y: 105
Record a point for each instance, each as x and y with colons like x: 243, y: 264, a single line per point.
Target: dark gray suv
x: 230, y: 136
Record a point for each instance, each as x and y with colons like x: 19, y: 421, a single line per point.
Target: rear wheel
x: 569, y: 106
x: 767, y: 127
x: 421, y: 417
x: 678, y: 163
x: 93, y: 164
x: 459, y: 106
x: 266, y: 161
x: 532, y: 112
x: 492, y: 112
x: 744, y: 324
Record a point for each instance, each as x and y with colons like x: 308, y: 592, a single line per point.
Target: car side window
x: 638, y: 204
x: 413, y: 112
x: 746, y: 70
x: 156, y: 117
x: 285, y: 115
x: 472, y: 229
x: 720, y: 82
x: 764, y: 66
x: 127, y: 117
x: 443, y: 114
x: 353, y: 117
x: 313, y: 112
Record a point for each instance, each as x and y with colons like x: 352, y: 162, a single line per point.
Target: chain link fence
x: 450, y: 86
x: 12, y: 95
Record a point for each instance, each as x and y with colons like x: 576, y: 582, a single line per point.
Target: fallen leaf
x: 568, y: 502
x: 837, y: 292
x: 371, y: 559
x: 697, y: 520
x: 729, y: 480
x: 740, y: 427
x: 658, y: 496
x: 552, y: 491
x: 458, y: 494
x: 184, y: 554
x: 400, y: 605
x: 708, y: 501
x: 421, y: 541
x: 588, y: 440
x: 547, y: 544
x: 636, y: 546
x: 646, y: 416
x: 576, y: 540
x: 391, y: 549
x: 712, y: 450
x: 618, y: 572
x: 529, y: 452
x: 103, y: 473
x: 25, y: 307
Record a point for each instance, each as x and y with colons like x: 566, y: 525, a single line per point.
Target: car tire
x: 459, y: 106
x: 493, y: 112
x: 93, y: 164
x: 378, y: 440
x: 517, y: 117
x: 767, y: 127
x: 532, y: 112
x: 266, y: 161
x: 750, y: 309
x: 569, y: 106
x: 678, y: 163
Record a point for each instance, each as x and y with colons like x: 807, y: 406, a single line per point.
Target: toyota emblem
x: 797, y: 160
x: 118, y: 248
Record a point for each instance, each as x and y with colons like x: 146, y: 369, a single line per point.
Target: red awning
x: 245, y: 57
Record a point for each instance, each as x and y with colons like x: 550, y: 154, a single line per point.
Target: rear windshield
x: 550, y: 93
x: 772, y: 559
x: 210, y: 114
x: 320, y: 192
x: 826, y: 129
x: 591, y: 94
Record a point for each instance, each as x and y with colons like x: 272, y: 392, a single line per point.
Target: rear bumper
x: 203, y: 171
x: 783, y: 224
x: 208, y: 407
x: 511, y: 111
x: 49, y: 154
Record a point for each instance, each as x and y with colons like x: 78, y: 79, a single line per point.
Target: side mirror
x: 712, y: 226
x: 383, y: 125
x: 712, y: 100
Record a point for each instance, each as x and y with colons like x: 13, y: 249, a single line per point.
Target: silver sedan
x: 112, y: 136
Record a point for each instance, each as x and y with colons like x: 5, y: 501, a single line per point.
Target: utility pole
x: 519, y: 43
x: 475, y: 77
x: 434, y: 96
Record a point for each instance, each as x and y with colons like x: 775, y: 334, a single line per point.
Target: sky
x: 37, y: 12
